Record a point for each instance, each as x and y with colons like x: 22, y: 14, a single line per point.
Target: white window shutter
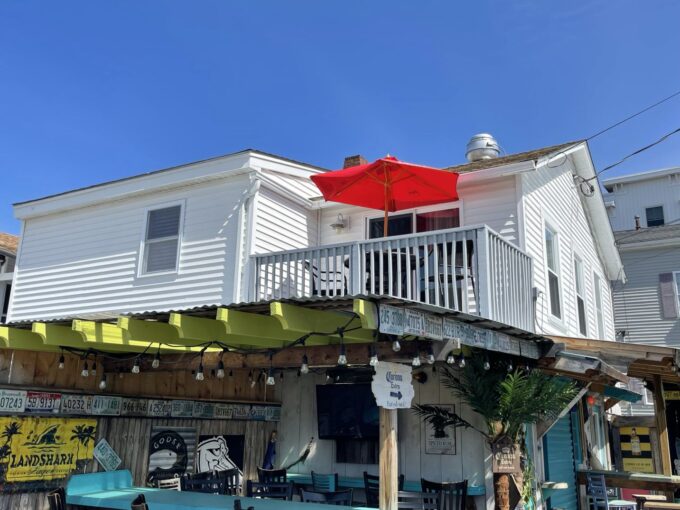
x: 668, y: 300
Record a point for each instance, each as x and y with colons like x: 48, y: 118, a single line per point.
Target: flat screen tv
x: 346, y: 411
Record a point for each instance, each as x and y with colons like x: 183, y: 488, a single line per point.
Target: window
x: 580, y: 295
x: 598, y: 306
x: 438, y: 220
x: 161, y: 240
x: 654, y: 216
x: 552, y: 265
x: 396, y: 226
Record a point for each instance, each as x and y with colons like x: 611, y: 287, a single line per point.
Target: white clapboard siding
x: 493, y: 202
x: 549, y: 194
x: 299, y: 423
x: 85, y: 261
x: 637, y: 303
x: 298, y: 186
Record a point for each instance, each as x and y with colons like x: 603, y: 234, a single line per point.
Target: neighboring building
x: 8, y: 252
x: 524, y: 246
x: 644, y: 210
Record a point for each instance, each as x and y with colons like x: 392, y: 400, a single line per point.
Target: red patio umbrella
x: 389, y: 185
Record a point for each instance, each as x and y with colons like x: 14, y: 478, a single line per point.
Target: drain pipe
x: 244, y: 237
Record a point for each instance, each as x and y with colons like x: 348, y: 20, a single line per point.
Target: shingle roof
x: 532, y: 155
x: 9, y: 243
x: 661, y: 233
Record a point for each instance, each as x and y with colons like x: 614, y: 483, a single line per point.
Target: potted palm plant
x: 507, y: 399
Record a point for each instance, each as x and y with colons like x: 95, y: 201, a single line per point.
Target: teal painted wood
x: 558, y: 449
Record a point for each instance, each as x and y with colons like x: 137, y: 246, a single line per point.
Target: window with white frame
x: 161, y: 240
x: 580, y: 295
x: 553, y: 270
x: 597, y: 288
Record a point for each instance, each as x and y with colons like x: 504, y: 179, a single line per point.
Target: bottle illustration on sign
x: 635, y: 443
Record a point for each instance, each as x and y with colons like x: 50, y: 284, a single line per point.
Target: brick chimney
x: 354, y: 161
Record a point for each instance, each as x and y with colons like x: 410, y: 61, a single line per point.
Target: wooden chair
x: 372, y: 488
x: 596, y: 490
x: 324, y: 483
x: 283, y: 491
x: 418, y: 501
x: 453, y: 495
x: 338, y: 498
x: 641, y: 499
x: 174, y: 483
x: 57, y: 499
x: 271, y: 475
x: 139, y: 503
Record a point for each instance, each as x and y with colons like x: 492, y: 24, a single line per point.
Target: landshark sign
x: 392, y: 385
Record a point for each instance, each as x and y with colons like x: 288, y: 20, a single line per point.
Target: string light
x: 135, y: 367
x: 430, y: 356
x: 220, y: 365
x: 199, y: 373
x: 396, y: 346
x: 487, y: 365
x: 416, y: 360
x: 84, y: 372
x: 157, y: 359
x: 102, y: 383
x: 461, y: 361
x: 450, y: 359
x: 342, y: 359
x: 510, y: 367
x: 374, y: 357
x: 93, y: 370
x: 304, y: 368
x: 61, y: 362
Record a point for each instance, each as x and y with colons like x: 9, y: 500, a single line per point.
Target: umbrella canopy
x: 388, y: 185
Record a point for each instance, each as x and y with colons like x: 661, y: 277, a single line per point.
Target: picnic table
x: 114, y: 490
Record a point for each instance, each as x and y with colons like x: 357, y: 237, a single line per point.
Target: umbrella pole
x: 387, y: 198
x: 385, y: 229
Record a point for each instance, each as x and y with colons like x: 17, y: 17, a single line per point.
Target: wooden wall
x: 130, y: 437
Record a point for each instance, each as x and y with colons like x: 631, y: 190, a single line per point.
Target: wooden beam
x: 62, y: 336
x: 367, y: 312
x: 24, y: 339
x: 257, y: 330
x: 662, y: 426
x: 303, y: 320
x: 389, y: 460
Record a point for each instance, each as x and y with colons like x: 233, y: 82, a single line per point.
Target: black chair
x: 283, y: 491
x: 338, y: 498
x: 453, y: 494
x: 139, y: 503
x: 271, y: 475
x: 372, y: 488
x: 228, y: 482
x: 57, y: 499
x: 207, y: 482
x: 327, y: 283
x: 324, y: 483
x: 238, y: 506
x: 417, y: 501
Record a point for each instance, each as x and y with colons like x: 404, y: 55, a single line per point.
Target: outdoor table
x: 620, y: 479
x: 346, y: 482
x: 114, y: 490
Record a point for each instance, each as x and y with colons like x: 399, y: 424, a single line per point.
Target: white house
x: 528, y: 245
x: 8, y: 251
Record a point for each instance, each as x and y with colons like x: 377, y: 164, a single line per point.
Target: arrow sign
x: 392, y: 385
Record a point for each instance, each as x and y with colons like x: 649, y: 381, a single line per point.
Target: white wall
x: 632, y: 198
x: 549, y: 194
x: 86, y: 260
x: 299, y: 423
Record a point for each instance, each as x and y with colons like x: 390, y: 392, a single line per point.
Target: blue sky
x: 93, y: 91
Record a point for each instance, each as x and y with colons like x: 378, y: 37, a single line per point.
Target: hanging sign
x: 106, y: 456
x: 104, y: 405
x: 42, y: 402
x: 440, y: 440
x: 391, y: 320
x: 12, y: 401
x: 414, y: 322
x: 505, y: 458
x: 76, y: 404
x: 392, y: 385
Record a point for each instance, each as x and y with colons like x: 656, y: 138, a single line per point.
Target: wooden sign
x: 392, y: 386
x: 505, y: 458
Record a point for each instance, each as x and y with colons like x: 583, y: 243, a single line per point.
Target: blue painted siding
x: 558, y: 447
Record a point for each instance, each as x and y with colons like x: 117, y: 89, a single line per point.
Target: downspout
x: 244, y: 239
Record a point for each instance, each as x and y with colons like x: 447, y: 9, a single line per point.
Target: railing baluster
x: 465, y: 298
x: 445, y: 266
x: 437, y: 283
x: 408, y: 275
x: 399, y: 268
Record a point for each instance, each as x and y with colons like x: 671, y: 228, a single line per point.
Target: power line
x: 633, y: 116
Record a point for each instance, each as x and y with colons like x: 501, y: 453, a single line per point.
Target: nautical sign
x: 392, y: 385
x: 402, y: 321
x: 12, y: 401
x: 106, y: 456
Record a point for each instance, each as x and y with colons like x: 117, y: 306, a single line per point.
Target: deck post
x: 482, y: 275
x: 356, y: 271
x: 389, y: 460
x: 662, y: 426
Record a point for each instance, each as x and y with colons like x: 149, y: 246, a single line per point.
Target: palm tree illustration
x: 11, y: 430
x: 83, y: 434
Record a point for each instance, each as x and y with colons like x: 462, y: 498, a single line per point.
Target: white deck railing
x: 472, y: 270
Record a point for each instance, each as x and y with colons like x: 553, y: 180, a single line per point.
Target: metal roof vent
x: 482, y: 146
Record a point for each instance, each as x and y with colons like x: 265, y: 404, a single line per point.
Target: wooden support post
x: 389, y: 459
x: 661, y: 426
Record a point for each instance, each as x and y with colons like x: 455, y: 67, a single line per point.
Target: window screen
x: 654, y: 216
x: 162, y: 239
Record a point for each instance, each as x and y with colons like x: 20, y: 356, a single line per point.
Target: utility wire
x: 633, y: 116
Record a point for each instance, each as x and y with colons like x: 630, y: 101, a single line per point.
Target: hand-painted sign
x: 12, y: 401
x: 44, y: 448
x: 219, y: 453
x: 392, y: 386
x: 42, y: 402
x: 171, y: 452
x: 440, y: 440
x: 76, y: 404
x: 106, y: 456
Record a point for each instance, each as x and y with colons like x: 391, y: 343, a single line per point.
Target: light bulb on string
x: 450, y: 359
x: 487, y: 365
x: 220, y: 370
x: 102, y: 383
x: 342, y: 358
x: 430, y: 356
x: 461, y: 361
x: 157, y: 359
x: 84, y: 372
x: 396, y: 346
x: 415, y: 362
x: 62, y: 361
x: 199, y: 373
x: 304, y: 368
x: 135, y: 367
x: 374, y: 357
x: 93, y: 370
x: 510, y: 367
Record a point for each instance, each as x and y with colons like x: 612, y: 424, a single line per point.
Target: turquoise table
x: 114, y: 490
x: 346, y: 482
